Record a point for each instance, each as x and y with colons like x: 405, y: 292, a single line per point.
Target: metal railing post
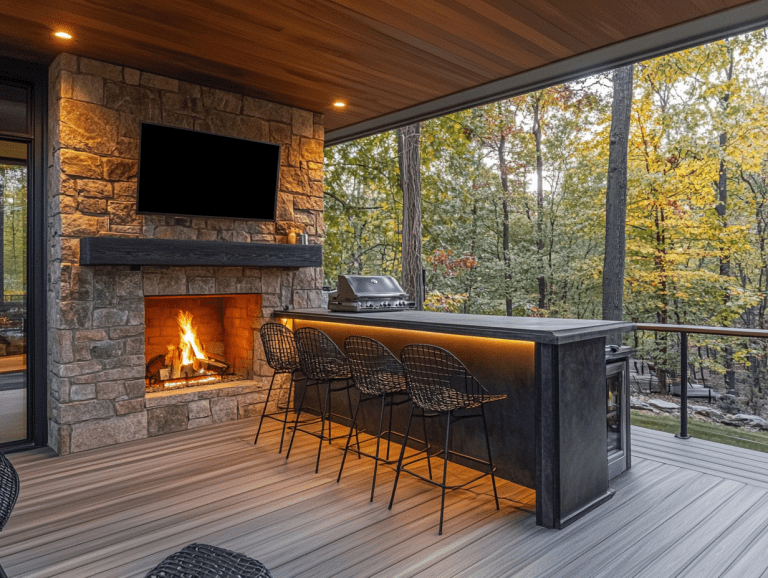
x: 683, y: 386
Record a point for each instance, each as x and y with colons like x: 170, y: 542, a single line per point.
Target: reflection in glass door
x: 13, y: 290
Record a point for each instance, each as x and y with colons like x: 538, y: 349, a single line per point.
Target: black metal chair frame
x: 432, y: 373
x: 321, y: 362
x: 204, y: 561
x: 9, y: 493
x: 378, y: 375
x: 283, y: 357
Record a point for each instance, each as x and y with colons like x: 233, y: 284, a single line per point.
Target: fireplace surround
x: 96, y: 308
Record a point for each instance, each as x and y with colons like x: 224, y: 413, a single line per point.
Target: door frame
x: 35, y: 78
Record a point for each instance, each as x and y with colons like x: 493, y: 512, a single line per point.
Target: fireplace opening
x: 199, y: 340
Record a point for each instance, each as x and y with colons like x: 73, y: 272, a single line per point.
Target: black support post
x: 683, y: 386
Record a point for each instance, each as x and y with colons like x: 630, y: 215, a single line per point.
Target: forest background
x: 513, y: 206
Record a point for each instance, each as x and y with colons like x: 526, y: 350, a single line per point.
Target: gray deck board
x: 687, y: 508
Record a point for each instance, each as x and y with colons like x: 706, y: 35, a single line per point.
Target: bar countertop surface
x: 536, y: 329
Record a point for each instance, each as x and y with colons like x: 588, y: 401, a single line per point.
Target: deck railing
x: 684, y: 330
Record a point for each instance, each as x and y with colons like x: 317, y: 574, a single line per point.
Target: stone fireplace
x: 102, y: 317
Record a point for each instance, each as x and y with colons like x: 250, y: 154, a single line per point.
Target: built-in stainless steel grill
x: 360, y: 293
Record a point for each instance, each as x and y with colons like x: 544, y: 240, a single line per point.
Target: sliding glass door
x: 22, y: 256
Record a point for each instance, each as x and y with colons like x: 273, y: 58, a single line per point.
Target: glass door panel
x: 14, y: 180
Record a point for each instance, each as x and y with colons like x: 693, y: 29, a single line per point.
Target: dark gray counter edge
x: 541, y: 330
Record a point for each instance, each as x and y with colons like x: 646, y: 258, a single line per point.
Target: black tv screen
x: 196, y: 174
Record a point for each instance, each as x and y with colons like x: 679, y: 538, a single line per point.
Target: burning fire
x: 189, y: 344
x: 186, y: 363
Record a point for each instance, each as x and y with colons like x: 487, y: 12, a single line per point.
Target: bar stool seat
x: 321, y: 362
x: 204, y: 561
x: 378, y: 374
x: 440, y: 385
x: 9, y: 492
x: 283, y: 357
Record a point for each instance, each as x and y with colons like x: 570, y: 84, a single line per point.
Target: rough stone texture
x: 96, y: 338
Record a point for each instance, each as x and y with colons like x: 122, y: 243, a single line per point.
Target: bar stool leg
x: 378, y: 443
x: 287, y: 407
x: 426, y: 443
x: 400, y: 461
x: 298, y: 416
x: 264, y: 411
x: 349, y: 439
x: 490, y: 461
x: 357, y: 434
x: 445, y: 469
x: 322, y: 422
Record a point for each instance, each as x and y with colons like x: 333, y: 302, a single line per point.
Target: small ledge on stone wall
x: 180, y: 253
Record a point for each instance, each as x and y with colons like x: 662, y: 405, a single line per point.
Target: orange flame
x: 189, y: 344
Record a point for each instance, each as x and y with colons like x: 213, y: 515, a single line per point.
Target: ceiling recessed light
x: 339, y: 104
x: 64, y: 35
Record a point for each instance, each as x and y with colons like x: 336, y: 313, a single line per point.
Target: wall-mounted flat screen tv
x: 197, y: 174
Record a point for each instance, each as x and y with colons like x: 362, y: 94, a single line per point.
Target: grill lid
x: 352, y: 288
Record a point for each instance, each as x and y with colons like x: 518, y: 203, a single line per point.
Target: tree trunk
x: 616, y: 199
x: 542, y: 280
x: 409, y: 160
x: 501, y: 150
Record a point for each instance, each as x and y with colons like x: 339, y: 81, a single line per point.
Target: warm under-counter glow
x: 492, y: 360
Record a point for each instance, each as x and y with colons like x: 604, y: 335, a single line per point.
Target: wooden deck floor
x: 687, y: 508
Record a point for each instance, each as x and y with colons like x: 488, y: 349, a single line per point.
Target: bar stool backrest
x: 320, y: 358
x: 432, y: 373
x: 279, y: 347
x: 374, y: 368
x: 9, y: 489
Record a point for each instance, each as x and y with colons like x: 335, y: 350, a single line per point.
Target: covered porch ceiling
x: 391, y: 62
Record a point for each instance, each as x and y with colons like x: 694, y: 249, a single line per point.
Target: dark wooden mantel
x: 181, y: 253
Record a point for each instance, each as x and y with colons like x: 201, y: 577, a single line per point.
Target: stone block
x: 106, y: 349
x: 311, y: 150
x: 63, y: 342
x: 302, y: 122
x: 125, y: 190
x: 92, y: 206
x: 166, y: 419
x: 91, y: 335
x: 221, y: 100
x: 127, y: 148
x: 131, y: 76
x: 226, y: 285
x: 199, y: 422
x: 128, y: 331
x: 224, y: 409
x: 134, y: 346
x: 301, y: 202
x: 180, y: 233
x: 121, y: 373
x: 109, y: 317
x: 84, y: 411
x: 123, y: 213
x: 88, y: 127
x: 65, y: 85
x: 200, y: 408
x: 88, y: 88
x: 81, y: 164
x: 178, y: 120
x: 183, y: 104
x: 83, y: 225
x: 129, y: 285
x: 293, y: 180
x: 82, y: 391
x: 110, y: 390
x: 103, y: 69
x: 129, y: 406
x: 202, y: 285
x: 247, y: 411
x: 161, y: 82
x: 79, y: 368
x: 266, y: 110
x: 280, y: 133
x: 101, y: 433
x: 140, y: 102
x: 92, y: 188
x: 120, y: 169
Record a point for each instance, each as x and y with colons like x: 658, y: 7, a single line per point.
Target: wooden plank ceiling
x: 377, y: 56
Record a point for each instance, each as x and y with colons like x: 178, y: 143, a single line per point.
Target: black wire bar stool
x: 9, y: 492
x: 321, y: 362
x: 379, y: 375
x: 440, y: 385
x: 283, y: 357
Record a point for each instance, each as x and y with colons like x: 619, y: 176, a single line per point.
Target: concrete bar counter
x: 550, y: 432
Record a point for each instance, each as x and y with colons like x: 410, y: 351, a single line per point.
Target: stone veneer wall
x: 96, y: 314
